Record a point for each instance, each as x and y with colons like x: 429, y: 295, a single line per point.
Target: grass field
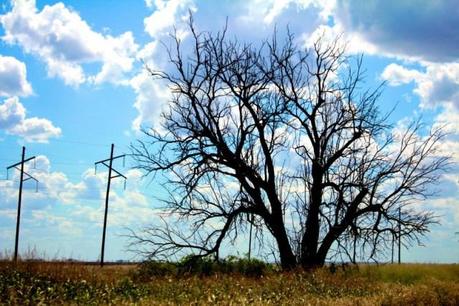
x: 63, y: 283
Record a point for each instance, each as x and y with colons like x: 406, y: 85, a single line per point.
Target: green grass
x: 232, y: 282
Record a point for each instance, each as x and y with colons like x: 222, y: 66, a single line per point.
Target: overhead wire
x: 86, y: 189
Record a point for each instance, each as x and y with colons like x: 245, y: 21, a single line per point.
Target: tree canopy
x: 291, y: 137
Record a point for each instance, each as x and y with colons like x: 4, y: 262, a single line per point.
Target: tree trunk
x: 313, y: 262
x: 310, y: 240
x: 287, y: 258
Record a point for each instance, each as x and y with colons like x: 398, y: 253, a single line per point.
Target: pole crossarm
x: 15, y: 166
x: 19, y: 163
x: 108, y: 159
x: 28, y: 175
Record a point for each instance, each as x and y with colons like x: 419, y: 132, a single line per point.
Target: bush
x: 152, y: 268
x: 207, y: 266
x: 197, y: 265
x: 244, y: 266
x: 201, y: 266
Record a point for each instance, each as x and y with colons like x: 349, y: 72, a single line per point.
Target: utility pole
x: 355, y: 249
x: 393, y: 246
x: 21, y: 181
x: 355, y: 235
x: 250, y: 235
x: 399, y: 235
x: 110, y: 177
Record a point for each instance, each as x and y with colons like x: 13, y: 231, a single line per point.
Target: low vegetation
x: 230, y: 282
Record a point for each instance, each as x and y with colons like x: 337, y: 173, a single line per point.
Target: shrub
x: 152, y: 268
x: 197, y: 265
x: 244, y: 266
x: 208, y: 265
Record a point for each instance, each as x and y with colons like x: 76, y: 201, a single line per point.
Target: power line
x: 84, y: 143
x: 399, y: 235
x: 65, y: 161
x: 80, y: 143
x: 86, y: 189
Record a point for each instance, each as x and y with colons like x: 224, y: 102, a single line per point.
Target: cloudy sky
x: 72, y: 82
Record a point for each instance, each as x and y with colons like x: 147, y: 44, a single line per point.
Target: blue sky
x: 72, y: 82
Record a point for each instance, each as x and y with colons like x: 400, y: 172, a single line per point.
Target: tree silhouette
x: 287, y: 135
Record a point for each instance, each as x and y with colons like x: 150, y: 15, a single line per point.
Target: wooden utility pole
x: 354, y: 249
x: 250, y: 236
x: 393, y: 246
x: 399, y: 235
x: 21, y: 181
x: 107, y: 195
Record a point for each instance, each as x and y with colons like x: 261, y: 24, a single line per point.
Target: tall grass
x: 228, y: 283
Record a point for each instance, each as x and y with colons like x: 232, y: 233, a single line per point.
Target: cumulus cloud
x: 151, y: 96
x: 397, y: 75
x: 165, y: 15
x: 447, y: 206
x: 427, y: 31
x: 288, y: 12
x: 13, y: 77
x: 13, y: 121
x: 65, y: 42
x: 449, y: 118
x: 64, y: 225
x: 299, y: 15
x: 126, y: 206
x: 438, y: 85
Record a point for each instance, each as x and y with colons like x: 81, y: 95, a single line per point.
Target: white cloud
x: 302, y: 17
x: 126, y: 206
x: 8, y: 197
x: 13, y: 120
x: 438, y: 85
x: 64, y: 225
x: 165, y: 15
x: 398, y: 75
x: 13, y: 77
x: 149, y: 3
x: 449, y: 118
x: 12, y: 113
x: 448, y: 206
x: 151, y: 96
x: 65, y: 42
x: 36, y: 130
x: 271, y: 12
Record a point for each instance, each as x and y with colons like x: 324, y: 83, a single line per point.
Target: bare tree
x: 289, y: 136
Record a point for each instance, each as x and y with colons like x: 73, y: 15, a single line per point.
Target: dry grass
x: 61, y: 283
